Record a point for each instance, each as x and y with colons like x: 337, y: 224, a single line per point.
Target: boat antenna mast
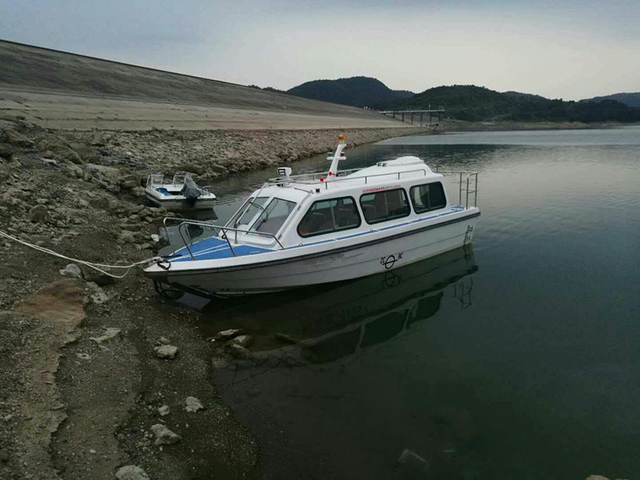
x: 336, y: 157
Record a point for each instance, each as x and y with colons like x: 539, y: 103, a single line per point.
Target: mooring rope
x: 95, y: 266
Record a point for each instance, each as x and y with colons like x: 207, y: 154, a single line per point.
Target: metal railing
x: 467, y: 182
x: 182, y: 229
x: 341, y: 175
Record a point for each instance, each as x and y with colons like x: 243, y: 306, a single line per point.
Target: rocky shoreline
x: 86, y: 368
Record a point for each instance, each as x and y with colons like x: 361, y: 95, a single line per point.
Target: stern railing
x: 467, y: 183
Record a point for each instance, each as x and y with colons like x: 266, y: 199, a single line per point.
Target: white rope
x: 95, y: 266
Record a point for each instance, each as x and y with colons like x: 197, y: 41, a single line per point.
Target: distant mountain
x: 629, y: 99
x: 354, y: 91
x: 473, y: 103
x: 511, y: 93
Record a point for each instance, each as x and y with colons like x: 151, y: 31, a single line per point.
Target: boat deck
x: 212, y: 248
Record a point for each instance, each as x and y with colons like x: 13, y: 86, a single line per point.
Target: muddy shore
x: 82, y: 389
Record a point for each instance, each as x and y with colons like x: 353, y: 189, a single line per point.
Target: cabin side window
x: 428, y: 197
x: 327, y: 216
x: 386, y: 205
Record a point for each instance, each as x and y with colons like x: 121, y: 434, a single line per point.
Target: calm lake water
x: 517, y: 359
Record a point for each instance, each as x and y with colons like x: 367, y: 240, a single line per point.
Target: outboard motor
x: 190, y: 191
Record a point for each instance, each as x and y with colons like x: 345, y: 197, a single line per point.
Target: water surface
x: 518, y: 359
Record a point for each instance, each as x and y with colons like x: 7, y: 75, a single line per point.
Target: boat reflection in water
x: 336, y: 322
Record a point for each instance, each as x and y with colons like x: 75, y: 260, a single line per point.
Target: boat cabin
x: 297, y: 210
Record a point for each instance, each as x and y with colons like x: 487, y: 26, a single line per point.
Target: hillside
x: 472, y: 103
x: 354, y: 91
x: 64, y: 90
x: 629, y: 99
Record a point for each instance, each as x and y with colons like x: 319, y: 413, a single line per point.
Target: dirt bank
x: 82, y: 390
x: 62, y: 90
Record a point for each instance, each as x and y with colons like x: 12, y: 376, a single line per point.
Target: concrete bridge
x: 421, y: 115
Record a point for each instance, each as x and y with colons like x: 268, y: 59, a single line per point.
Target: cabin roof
x: 385, y: 172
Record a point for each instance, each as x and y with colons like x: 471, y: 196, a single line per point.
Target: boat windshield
x: 179, y: 178
x: 273, y: 216
x: 247, y: 212
x: 155, y: 180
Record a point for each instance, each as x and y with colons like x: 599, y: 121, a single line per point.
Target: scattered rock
x: 39, y: 213
x: 193, y: 168
x: 412, y: 462
x: 164, y: 410
x: 87, y: 154
x: 283, y: 337
x: 166, y: 351
x: 164, y: 436
x: 596, y: 477
x: 193, y: 404
x: 109, y: 334
x: 219, y: 362
x: 94, y: 276
x: 62, y: 152
x: 83, y: 356
x: 99, y: 296
x: 163, y: 341
x: 227, y: 334
x: 100, y: 202
x: 238, y: 351
x: 128, y: 236
x: 102, y: 173
x: 72, y: 270
x: 218, y: 168
x: 243, y: 340
x: 131, y: 472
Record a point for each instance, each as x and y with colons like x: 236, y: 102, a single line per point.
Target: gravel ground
x: 81, y: 383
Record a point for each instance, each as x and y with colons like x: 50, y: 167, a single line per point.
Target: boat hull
x: 330, y: 266
x: 178, y: 204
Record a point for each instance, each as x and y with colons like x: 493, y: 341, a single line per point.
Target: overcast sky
x: 560, y: 49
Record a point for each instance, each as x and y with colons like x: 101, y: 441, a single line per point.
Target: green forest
x: 472, y: 103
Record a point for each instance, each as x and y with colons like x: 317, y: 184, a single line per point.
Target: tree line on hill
x: 472, y: 103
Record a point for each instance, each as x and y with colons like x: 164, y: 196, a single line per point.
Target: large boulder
x: 164, y: 436
x: 88, y: 154
x: 194, y: 168
x: 130, y: 181
x: 64, y: 152
x: 17, y: 139
x: 55, y: 146
x: 101, y: 173
x: 131, y: 472
x: 39, y: 213
x: 6, y: 151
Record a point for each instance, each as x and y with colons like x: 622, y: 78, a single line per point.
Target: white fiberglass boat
x: 320, y: 228
x: 181, y: 194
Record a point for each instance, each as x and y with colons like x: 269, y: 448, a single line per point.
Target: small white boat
x: 320, y: 228
x: 181, y: 194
